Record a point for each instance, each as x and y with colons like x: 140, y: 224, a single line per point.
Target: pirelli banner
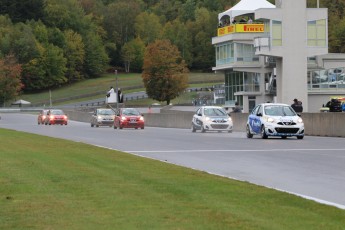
x: 241, y: 28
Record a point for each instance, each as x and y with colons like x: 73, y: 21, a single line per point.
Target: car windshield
x: 279, y: 110
x: 57, y: 112
x: 130, y: 112
x: 106, y: 112
x: 214, y: 112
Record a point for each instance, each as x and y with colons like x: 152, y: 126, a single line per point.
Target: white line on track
x: 340, y: 206
x: 229, y: 150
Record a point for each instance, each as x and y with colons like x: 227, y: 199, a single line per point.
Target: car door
x: 197, y: 119
x: 254, y: 119
x: 94, y: 117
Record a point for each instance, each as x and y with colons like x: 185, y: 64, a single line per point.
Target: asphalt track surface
x: 313, y: 168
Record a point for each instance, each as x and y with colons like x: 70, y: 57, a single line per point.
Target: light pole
x: 50, y: 98
x: 117, y: 91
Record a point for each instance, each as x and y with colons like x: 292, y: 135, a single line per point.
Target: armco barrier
x: 316, y: 124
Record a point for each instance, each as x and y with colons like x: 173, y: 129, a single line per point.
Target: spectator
x: 297, y: 106
x: 111, y: 91
x: 334, y: 105
x: 119, y: 96
x: 237, y: 108
x: 250, y: 20
x: 111, y: 96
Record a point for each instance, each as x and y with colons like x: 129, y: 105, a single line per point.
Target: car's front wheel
x: 300, y: 137
x: 263, y: 133
x: 249, y: 134
x: 193, y: 129
x: 203, y: 130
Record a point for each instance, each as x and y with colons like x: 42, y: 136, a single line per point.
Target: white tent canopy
x: 245, y: 7
x: 21, y: 102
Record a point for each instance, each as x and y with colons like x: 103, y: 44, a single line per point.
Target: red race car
x: 129, y: 118
x: 42, y: 116
x: 56, y: 116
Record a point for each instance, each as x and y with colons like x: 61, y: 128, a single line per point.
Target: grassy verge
x: 48, y: 183
x: 101, y: 85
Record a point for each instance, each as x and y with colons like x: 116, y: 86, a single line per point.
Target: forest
x: 51, y: 43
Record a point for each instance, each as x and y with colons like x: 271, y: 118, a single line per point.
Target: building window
x: 317, y: 33
x: 326, y: 79
x: 225, y: 54
x: 277, y: 38
x: 240, y: 82
x: 235, y: 52
x: 246, y: 53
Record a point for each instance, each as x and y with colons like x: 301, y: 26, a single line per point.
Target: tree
x: 96, y: 58
x: 178, y: 34
x: 187, y: 12
x: 45, y: 71
x: 22, y: 10
x: 10, y: 84
x: 148, y: 27
x: 164, y: 71
x: 119, y: 19
x: 75, y: 55
x: 203, y: 28
x: 133, y: 55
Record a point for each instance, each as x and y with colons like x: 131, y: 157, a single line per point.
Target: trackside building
x: 277, y: 53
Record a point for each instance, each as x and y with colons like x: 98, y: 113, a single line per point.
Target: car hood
x: 285, y: 119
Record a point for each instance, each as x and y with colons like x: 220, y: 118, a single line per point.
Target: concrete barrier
x: 78, y: 115
x: 324, y: 124
x: 316, y: 124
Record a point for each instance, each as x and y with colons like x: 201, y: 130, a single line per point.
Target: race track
x: 313, y: 167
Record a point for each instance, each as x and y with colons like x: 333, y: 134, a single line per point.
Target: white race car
x: 274, y: 119
x: 211, y: 118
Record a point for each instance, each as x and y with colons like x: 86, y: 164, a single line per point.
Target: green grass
x: 99, y: 86
x: 48, y: 183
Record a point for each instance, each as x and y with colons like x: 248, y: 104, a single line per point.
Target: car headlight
x: 300, y: 120
x: 229, y: 119
x: 269, y: 119
x: 99, y: 117
x: 207, y: 119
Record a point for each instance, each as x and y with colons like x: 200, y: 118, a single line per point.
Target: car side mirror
x: 199, y: 114
x: 259, y: 114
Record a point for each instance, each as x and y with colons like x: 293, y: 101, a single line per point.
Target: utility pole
x: 117, y: 91
x: 50, y: 98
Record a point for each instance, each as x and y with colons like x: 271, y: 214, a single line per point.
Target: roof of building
x: 245, y: 7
